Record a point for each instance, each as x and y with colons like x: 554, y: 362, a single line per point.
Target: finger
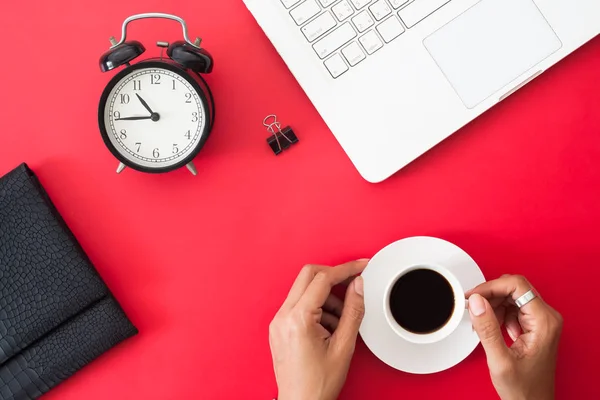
x: 510, y: 287
x: 329, y: 322
x: 334, y: 305
x: 468, y: 293
x: 494, y: 302
x: 498, y: 302
x: 348, y: 281
x: 344, y: 338
x: 305, y: 277
x: 487, y: 328
x: 500, y: 314
x: 320, y: 288
x: 511, y: 322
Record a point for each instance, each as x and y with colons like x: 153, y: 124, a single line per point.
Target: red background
x: 202, y: 264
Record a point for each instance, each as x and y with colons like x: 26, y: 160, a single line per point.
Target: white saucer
x: 377, y: 333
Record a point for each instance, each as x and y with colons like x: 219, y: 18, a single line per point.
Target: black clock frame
x: 193, y: 78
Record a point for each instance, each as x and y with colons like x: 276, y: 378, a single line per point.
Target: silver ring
x: 525, y: 299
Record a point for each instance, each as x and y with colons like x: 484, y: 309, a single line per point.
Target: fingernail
x: 359, y: 285
x: 511, y: 334
x: 513, y: 331
x: 476, y: 305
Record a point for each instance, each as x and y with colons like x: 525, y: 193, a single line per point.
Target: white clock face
x: 154, y: 117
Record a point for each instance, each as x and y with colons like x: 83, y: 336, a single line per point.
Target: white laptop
x: 393, y: 78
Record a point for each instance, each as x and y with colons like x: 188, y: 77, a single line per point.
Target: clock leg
x: 192, y: 168
x: 120, y: 168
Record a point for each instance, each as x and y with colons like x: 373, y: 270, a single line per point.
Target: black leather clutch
x: 56, y: 314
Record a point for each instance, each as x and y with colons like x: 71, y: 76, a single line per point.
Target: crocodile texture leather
x: 56, y: 314
x: 59, y: 355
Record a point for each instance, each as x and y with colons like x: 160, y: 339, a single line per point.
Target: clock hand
x: 146, y: 106
x: 133, y: 118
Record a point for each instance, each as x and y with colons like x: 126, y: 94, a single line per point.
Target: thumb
x: 344, y: 338
x: 487, y: 328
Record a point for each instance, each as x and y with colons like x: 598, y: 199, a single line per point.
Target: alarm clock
x: 156, y: 115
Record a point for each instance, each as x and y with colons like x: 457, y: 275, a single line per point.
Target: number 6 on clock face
x: 154, y: 116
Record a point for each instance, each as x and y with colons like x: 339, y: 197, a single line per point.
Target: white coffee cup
x: 445, y: 330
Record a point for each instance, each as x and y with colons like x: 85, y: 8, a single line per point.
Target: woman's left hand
x: 314, y: 333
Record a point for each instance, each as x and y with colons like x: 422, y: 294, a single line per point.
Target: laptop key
x: 418, y: 10
x: 371, y: 42
x: 336, y: 66
x: 353, y: 54
x: 380, y: 10
x: 363, y: 21
x: 360, y: 3
x: 290, y: 3
x: 390, y: 29
x: 305, y: 11
x: 398, y: 3
x: 334, y: 40
x: 327, y: 3
x: 342, y: 10
x: 318, y: 26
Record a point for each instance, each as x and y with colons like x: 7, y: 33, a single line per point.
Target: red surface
x: 202, y: 264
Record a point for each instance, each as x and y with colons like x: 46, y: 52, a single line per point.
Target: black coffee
x: 422, y: 301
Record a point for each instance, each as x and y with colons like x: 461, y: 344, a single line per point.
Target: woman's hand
x: 314, y: 333
x: 526, y: 369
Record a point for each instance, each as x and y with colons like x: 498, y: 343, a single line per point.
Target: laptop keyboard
x: 343, y: 33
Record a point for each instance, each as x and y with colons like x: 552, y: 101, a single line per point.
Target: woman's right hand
x: 526, y: 369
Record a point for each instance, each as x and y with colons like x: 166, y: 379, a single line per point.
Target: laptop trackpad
x: 490, y: 45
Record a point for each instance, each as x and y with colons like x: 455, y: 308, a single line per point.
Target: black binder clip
x: 280, y: 139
